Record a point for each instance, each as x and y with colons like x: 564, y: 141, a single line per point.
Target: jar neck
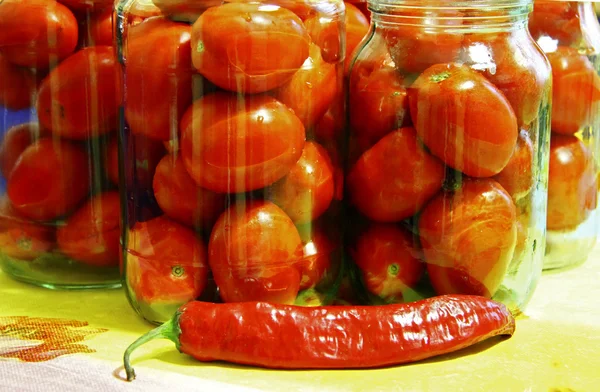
x: 460, y: 16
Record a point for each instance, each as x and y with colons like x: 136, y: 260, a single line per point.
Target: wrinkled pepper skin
x: 331, y: 337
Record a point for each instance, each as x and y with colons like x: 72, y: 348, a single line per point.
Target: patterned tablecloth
x: 59, y: 341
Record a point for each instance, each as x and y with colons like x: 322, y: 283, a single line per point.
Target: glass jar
x: 59, y: 207
x: 569, y: 33
x: 448, y: 109
x: 247, y: 99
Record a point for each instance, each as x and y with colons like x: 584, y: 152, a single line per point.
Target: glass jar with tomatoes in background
x: 569, y: 33
x: 247, y: 100
x: 59, y: 80
x: 448, y: 116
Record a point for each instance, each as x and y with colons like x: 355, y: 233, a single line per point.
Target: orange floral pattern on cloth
x: 56, y: 337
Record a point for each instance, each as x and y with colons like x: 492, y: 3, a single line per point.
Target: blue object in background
x: 10, y: 118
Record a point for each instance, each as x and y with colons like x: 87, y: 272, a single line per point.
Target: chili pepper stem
x: 169, y: 330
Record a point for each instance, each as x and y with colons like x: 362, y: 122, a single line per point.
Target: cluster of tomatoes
x: 443, y: 155
x: 247, y: 99
x: 573, y: 183
x: 57, y: 57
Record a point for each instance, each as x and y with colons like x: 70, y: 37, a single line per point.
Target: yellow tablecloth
x: 556, y: 348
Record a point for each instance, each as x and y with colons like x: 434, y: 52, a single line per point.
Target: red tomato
x: 325, y: 34
x: 87, y: 5
x: 265, y: 46
x: 253, y: 251
x: 311, y: 90
x: 463, y: 119
x: 15, y: 141
x: 388, y: 260
x: 80, y: 98
x: 362, y: 6
x: 306, y: 192
x: 516, y: 177
x: 166, y: 262
x: 98, y: 29
x: 303, y: 8
x: 231, y: 144
x: 572, y: 187
x: 378, y: 102
x: 17, y: 85
x: 321, y: 247
x: 142, y: 157
x: 36, y: 33
x: 468, y: 238
x: 395, y: 178
x: 158, y: 76
x: 21, y: 239
x: 516, y: 66
x: 49, y: 180
x: 357, y: 27
x: 558, y: 20
x: 415, y: 48
x: 185, y: 10
x: 575, y: 91
x: 181, y: 199
x: 91, y: 235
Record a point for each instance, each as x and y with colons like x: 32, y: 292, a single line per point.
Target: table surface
x: 556, y: 347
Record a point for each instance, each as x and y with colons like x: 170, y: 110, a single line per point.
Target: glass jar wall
x: 236, y: 108
x: 59, y: 208
x: 569, y: 33
x: 448, y: 109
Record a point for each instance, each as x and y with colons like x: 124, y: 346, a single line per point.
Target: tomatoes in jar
x: 97, y: 30
x: 468, y: 237
x: 143, y: 155
x: 181, y: 198
x: 575, y: 90
x: 184, y: 10
x: 49, y: 179
x: 17, y: 85
x: 87, y: 5
x: 166, y: 262
x: 311, y: 90
x: 91, y: 235
x: 517, y: 176
x: 416, y: 48
x: 22, y: 239
x: 158, y: 77
x: 463, y: 119
x: 572, y: 186
x: 556, y: 19
x: 235, y: 144
x: 516, y: 66
x: 79, y: 99
x: 264, y: 48
x: 306, y: 192
x: 36, y: 33
x: 395, y: 178
x: 357, y: 27
x: 378, y: 100
x: 388, y: 260
x: 321, y: 246
x: 253, y: 253
x: 15, y: 141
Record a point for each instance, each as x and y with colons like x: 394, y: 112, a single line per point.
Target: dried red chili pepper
x: 329, y: 337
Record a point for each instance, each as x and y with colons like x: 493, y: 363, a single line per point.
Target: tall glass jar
x: 569, y: 33
x: 59, y: 207
x: 448, y: 108
x: 247, y: 99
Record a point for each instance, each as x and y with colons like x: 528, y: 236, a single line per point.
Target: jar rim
x: 479, y: 5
